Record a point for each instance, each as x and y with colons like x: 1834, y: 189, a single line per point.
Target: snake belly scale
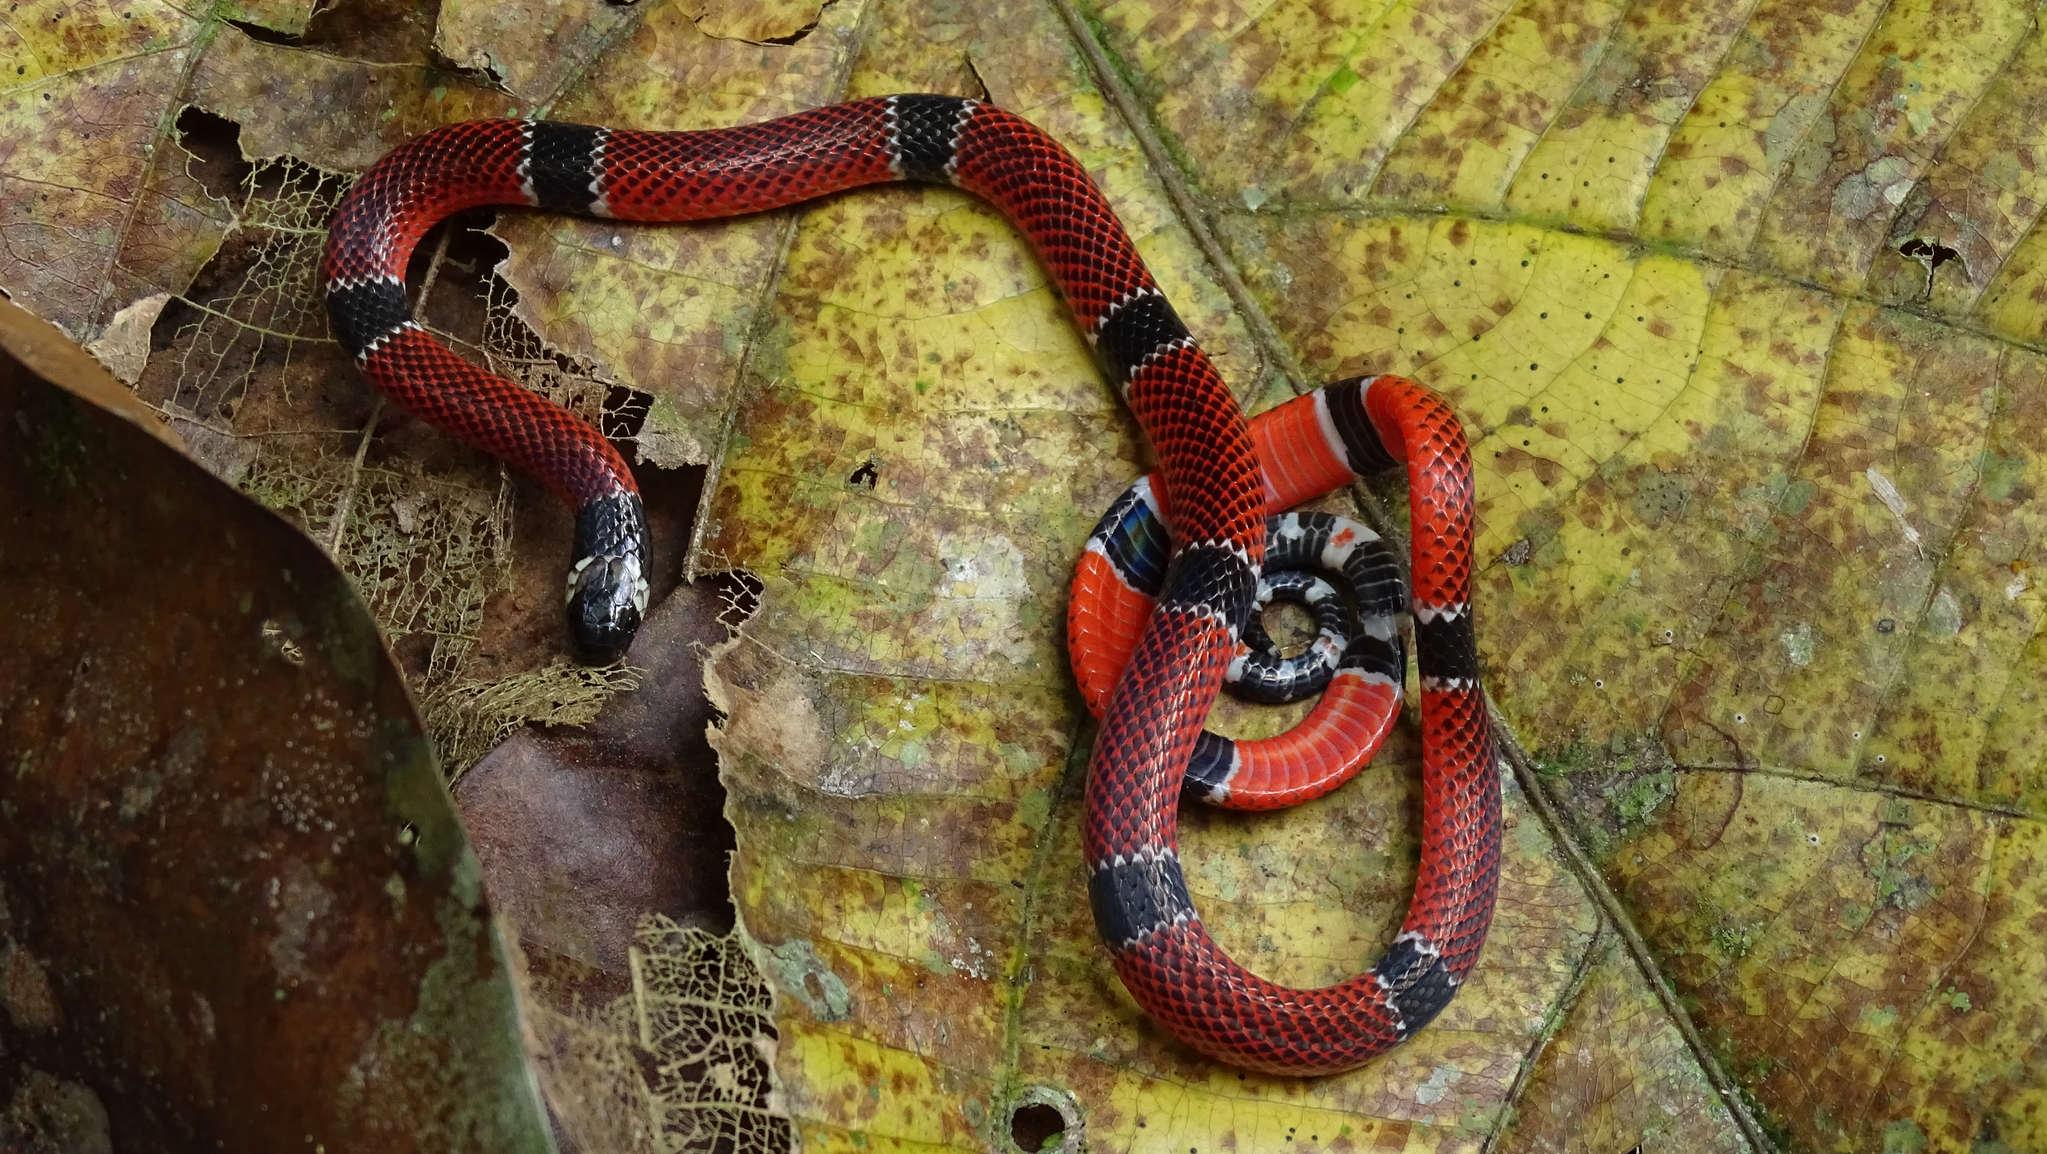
x: 1151, y: 677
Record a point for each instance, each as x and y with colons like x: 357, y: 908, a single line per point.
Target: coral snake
x: 1152, y: 635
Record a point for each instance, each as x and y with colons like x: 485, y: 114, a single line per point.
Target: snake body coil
x: 1150, y: 655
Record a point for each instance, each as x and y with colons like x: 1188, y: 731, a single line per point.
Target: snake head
x: 607, y: 592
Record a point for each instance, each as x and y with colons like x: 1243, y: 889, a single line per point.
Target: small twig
x: 347, y: 503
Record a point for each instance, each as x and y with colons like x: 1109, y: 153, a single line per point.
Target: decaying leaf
x: 653, y: 1028
x: 236, y: 909
x: 1741, y: 305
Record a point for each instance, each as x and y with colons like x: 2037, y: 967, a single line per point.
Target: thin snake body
x: 1211, y: 488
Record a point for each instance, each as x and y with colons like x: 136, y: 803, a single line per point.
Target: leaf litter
x: 1788, y: 525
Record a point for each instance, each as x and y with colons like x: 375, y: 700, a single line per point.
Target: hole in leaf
x: 1930, y: 254
x: 215, y: 146
x: 258, y: 32
x: 1933, y: 252
x: 1036, y: 1126
x: 624, y: 413
x: 1044, y: 1119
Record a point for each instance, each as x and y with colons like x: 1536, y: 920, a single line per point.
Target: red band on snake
x: 1214, y: 491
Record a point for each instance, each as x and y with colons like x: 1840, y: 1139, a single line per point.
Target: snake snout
x: 608, y: 585
x: 607, y: 597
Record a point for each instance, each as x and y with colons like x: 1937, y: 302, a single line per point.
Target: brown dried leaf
x: 222, y: 832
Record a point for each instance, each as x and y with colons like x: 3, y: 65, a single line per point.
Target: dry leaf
x: 1740, y: 304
